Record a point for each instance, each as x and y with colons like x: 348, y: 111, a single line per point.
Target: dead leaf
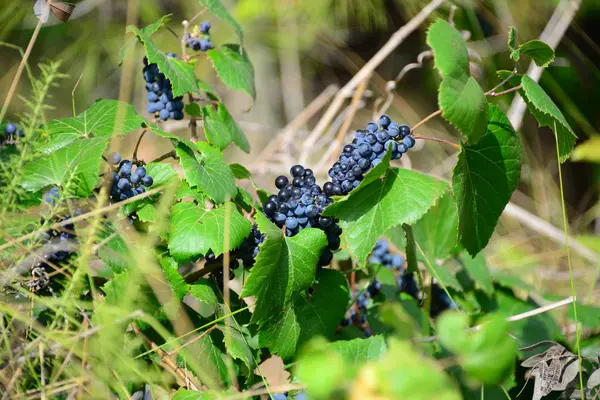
x: 61, y: 10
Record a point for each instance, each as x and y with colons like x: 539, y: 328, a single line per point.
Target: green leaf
x: 234, y: 67
x: 208, y: 171
x: 204, y: 291
x: 478, y: 271
x: 307, y: 317
x: 195, y: 231
x: 236, y: 341
x: 540, y: 52
x: 547, y: 114
x: 183, y: 394
x: 487, y: 354
x: 193, y: 110
x: 484, y: 178
x: 176, y: 282
x: 400, y: 197
x: 210, y: 359
x: 221, y: 129
x: 239, y: 171
x: 148, y: 30
x: 588, y: 151
x: 512, y: 38
x: 437, y: 231
x: 105, y: 118
x: 115, y: 253
x: 461, y: 99
x: 284, y: 266
x: 185, y: 191
x: 404, y: 373
x: 79, y: 161
x: 174, y: 138
x: 359, y: 351
x: 216, y: 8
x: 181, y: 74
x: 325, y: 367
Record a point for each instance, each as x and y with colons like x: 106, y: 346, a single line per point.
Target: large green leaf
x: 401, y: 197
x: 195, y: 230
x: 105, y: 118
x: 437, y: 231
x: 405, y: 373
x: 484, y: 178
x: 221, y: 129
x: 284, y: 266
x: 540, y: 52
x: 207, y: 171
x: 234, y: 67
x: 78, y: 162
x: 148, y: 30
x: 487, y: 354
x: 180, y: 73
x: 461, y: 99
x: 216, y: 8
x: 548, y: 114
x: 359, y: 351
x: 307, y: 317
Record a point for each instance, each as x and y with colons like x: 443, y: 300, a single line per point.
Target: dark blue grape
x: 384, y: 121
x: 147, y: 181
x: 404, y: 130
x: 409, y: 141
x: 114, y: 158
x: 281, y: 182
x: 204, y: 27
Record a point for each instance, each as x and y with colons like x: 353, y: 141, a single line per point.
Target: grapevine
x: 343, y: 262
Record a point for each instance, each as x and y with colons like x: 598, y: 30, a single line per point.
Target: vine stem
x: 449, y: 143
x: 513, y: 89
x: 426, y: 119
x: 137, y: 145
x: 171, y: 153
x: 566, y: 231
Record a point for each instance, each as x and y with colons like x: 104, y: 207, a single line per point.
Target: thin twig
x: 518, y: 317
x: 170, y: 154
x: 426, y: 119
x: 13, y: 86
x: 493, y: 90
x: 513, y: 89
x: 85, y: 216
x: 206, y: 332
x: 433, y: 139
x: 395, y: 40
x: 73, y: 93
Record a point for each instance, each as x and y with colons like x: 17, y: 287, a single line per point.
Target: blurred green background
x: 301, y: 47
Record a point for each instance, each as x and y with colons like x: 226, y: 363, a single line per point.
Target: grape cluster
x: 357, y: 314
x: 382, y: 255
x: 248, y: 250
x: 161, y: 102
x: 299, y: 204
x: 9, y: 134
x: 127, y: 182
x: 195, y: 41
x: 366, y: 151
